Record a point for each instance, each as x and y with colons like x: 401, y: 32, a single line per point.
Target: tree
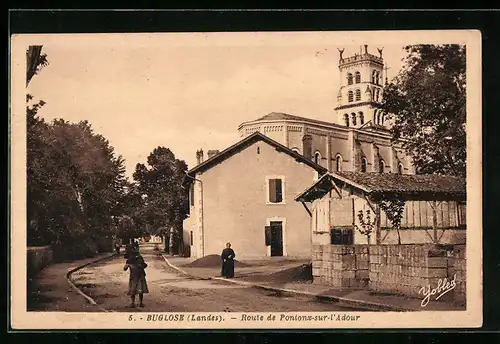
x: 75, y: 181
x: 75, y: 186
x: 36, y: 153
x: 36, y: 60
x: 393, y: 208
x: 165, y: 199
x: 427, y: 103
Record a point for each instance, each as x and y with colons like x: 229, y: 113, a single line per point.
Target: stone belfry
x: 360, y: 92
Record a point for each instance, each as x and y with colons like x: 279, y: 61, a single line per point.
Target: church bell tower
x: 360, y: 92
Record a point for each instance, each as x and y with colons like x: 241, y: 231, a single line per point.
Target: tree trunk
x: 399, y: 236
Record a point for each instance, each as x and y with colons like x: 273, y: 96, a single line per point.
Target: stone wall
x: 405, y: 269
x: 37, y: 258
x: 457, y: 265
x: 340, y: 266
x: 395, y: 269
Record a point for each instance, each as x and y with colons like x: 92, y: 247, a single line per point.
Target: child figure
x: 137, y: 284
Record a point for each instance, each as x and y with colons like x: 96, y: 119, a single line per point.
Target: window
x: 338, y: 161
x: 361, y: 118
x: 358, y: 77
x: 275, y: 191
x: 358, y: 94
x: 383, y: 119
x: 346, y: 119
x: 378, y: 117
x: 378, y: 78
x: 317, y: 158
x: 350, y: 96
x: 376, y: 94
x: 341, y: 236
x: 191, y: 195
x: 381, y: 166
x: 400, y: 168
x: 349, y: 79
x: 191, y: 238
x: 353, y: 118
x: 374, y: 76
x: 363, y: 164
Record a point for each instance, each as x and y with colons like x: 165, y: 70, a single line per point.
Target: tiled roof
x: 409, y: 187
x: 390, y: 182
x: 242, y: 144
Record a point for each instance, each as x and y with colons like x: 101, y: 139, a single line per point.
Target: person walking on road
x: 137, y: 282
x: 227, y: 257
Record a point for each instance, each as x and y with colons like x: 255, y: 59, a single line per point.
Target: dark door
x: 276, y: 239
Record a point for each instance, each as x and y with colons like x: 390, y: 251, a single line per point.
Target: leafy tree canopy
x: 159, y: 183
x: 427, y: 102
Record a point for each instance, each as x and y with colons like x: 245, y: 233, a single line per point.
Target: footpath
x: 51, y: 291
x: 263, y: 275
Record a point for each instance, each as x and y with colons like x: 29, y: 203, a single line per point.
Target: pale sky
x: 190, y: 91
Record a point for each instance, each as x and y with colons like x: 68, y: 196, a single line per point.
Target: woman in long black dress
x: 227, y: 257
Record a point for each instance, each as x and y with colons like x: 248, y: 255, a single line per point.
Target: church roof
x: 424, y: 187
x: 276, y: 116
x: 241, y: 145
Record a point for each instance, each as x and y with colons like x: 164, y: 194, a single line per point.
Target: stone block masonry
x: 457, y: 265
x: 341, y: 266
x: 395, y: 269
x: 403, y: 269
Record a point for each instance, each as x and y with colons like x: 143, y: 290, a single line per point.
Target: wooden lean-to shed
x: 433, y: 208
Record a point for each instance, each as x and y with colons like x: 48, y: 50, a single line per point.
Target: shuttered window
x: 275, y: 191
x: 341, y: 236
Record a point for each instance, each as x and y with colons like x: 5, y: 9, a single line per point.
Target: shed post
x: 434, y: 222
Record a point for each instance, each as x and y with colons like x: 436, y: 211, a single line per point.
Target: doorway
x: 276, y: 238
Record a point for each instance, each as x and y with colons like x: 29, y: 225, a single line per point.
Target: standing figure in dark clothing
x: 128, y: 251
x: 137, y: 284
x: 227, y: 257
x: 117, y: 249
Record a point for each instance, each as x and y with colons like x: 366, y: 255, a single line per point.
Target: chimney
x: 199, y: 156
x: 212, y: 153
x: 307, y: 146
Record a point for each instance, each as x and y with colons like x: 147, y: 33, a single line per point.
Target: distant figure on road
x: 117, y: 248
x: 128, y: 251
x: 227, y: 257
x: 137, y: 284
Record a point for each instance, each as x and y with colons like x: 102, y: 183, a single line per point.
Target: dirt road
x: 107, y: 283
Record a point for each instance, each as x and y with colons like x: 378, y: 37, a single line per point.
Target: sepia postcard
x: 250, y: 180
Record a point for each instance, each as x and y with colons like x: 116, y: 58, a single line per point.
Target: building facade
x: 358, y: 138
x: 245, y: 195
x: 231, y: 197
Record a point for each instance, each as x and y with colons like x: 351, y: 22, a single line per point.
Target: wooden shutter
x: 272, y: 190
x: 279, y: 191
x: 267, y: 235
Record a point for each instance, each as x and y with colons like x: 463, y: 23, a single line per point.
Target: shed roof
x: 388, y: 185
